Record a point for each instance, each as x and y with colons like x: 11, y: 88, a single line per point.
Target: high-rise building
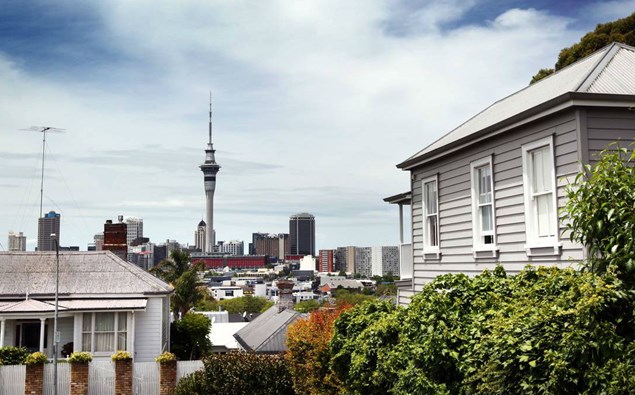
x: 98, y: 239
x: 345, y: 259
x: 199, y: 236
x: 47, y: 225
x: 326, y: 261
x: 270, y: 244
x: 116, y: 239
x: 302, y: 234
x: 17, y: 241
x: 385, y: 259
x: 364, y: 261
x: 209, y: 168
x: 135, y: 229
x: 233, y: 247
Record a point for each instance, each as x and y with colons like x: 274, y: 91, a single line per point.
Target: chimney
x: 285, y: 289
x: 120, y: 218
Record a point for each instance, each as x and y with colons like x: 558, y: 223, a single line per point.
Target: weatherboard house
x: 105, y: 304
x: 489, y: 191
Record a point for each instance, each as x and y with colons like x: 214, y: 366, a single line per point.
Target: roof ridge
x: 599, y: 66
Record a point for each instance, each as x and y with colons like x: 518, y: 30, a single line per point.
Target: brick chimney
x: 285, y: 289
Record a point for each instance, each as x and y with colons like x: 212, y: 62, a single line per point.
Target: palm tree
x: 171, y: 269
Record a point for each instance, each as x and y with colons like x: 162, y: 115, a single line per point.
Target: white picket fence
x: 101, y: 377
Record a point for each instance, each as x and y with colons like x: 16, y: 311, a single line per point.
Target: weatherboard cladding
x: 455, y: 207
x: 81, y: 273
x: 608, y: 70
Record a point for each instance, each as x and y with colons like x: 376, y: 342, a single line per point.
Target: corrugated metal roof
x: 43, y: 306
x: 610, y: 70
x: 267, y: 333
x: 89, y: 273
x: 28, y: 306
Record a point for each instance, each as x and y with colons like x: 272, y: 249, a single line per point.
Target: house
x: 489, y: 191
x: 267, y: 333
x: 105, y: 304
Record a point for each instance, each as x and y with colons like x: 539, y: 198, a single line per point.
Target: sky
x: 314, y: 103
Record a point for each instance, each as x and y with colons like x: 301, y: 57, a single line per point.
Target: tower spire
x: 209, y: 168
x: 210, y: 117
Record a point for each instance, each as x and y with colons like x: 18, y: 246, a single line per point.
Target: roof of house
x: 267, y: 332
x: 96, y: 274
x: 610, y: 70
x: 48, y: 306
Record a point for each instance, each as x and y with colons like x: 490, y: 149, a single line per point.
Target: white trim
x: 532, y: 239
x: 427, y: 249
x: 476, y: 232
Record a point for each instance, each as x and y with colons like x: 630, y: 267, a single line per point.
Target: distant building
x: 385, y: 259
x: 233, y: 262
x: 115, y: 239
x: 48, y: 225
x: 345, y: 259
x: 271, y: 244
x: 308, y: 263
x: 99, y: 241
x: 302, y: 234
x: 326, y: 261
x: 134, y: 229
x: 364, y: 261
x: 17, y: 241
x: 199, y: 236
x: 226, y: 292
x: 233, y: 247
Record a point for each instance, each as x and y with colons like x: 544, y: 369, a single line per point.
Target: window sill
x: 485, y: 252
x: 431, y: 254
x: 548, y: 249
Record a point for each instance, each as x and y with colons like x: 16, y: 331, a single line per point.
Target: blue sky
x: 314, y: 105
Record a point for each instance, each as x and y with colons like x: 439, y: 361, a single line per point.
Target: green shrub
x: 239, y: 373
x: 80, y: 357
x: 10, y: 355
x: 36, y: 358
x: 189, y: 337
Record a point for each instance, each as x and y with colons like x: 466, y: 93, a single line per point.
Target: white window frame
x: 427, y: 248
x: 533, y: 240
x: 116, y: 332
x: 477, y: 235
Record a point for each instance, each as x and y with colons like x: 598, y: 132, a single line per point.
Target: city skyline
x: 311, y: 115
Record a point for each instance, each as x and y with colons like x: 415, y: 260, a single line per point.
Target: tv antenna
x: 44, y: 130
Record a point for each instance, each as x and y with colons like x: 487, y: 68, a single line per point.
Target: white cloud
x: 315, y: 103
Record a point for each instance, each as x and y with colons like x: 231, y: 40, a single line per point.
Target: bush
x: 10, y: 355
x: 37, y: 358
x: 309, y: 354
x: 306, y: 306
x: 80, y: 357
x: 247, y: 303
x: 239, y: 373
x: 545, y: 330
x: 189, y: 337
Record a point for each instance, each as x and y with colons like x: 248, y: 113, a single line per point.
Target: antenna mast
x: 210, y: 117
x: 43, y: 130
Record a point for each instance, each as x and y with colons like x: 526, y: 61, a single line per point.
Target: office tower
x: 326, y: 261
x: 345, y: 259
x: 116, y: 239
x: 385, y: 259
x: 271, y: 244
x: 199, y: 236
x: 363, y: 261
x: 135, y: 229
x: 47, y: 225
x: 233, y: 247
x: 302, y: 234
x: 17, y: 241
x: 209, y: 168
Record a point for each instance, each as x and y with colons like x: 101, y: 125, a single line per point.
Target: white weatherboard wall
x: 148, y: 331
x: 455, y: 207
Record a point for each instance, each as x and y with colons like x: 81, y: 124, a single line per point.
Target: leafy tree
x: 187, y: 293
x: 247, y: 303
x: 386, y: 290
x: 346, y: 297
x: 600, y: 212
x: 10, y: 355
x: 207, y: 301
x: 169, y: 270
x: 189, y: 337
x: 342, y: 273
x: 306, y: 306
x: 621, y: 30
x: 309, y: 354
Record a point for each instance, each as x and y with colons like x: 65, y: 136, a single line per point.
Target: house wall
x: 148, y: 330
x: 455, y: 205
x: 605, y: 126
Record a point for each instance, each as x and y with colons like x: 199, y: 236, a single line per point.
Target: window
x: 431, y: 215
x: 102, y: 331
x: 484, y: 230
x: 539, y: 182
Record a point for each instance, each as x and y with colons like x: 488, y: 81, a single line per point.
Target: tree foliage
x: 306, y: 306
x: 621, y: 30
x: 545, y: 330
x: 10, y: 355
x: 189, y: 337
x: 169, y: 270
x: 247, y: 303
x: 309, y: 354
x: 239, y: 373
x: 600, y: 212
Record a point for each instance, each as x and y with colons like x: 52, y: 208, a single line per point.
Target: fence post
x: 79, y: 378
x: 34, y: 379
x: 167, y: 377
x: 123, y: 377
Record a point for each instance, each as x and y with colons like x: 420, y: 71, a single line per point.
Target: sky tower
x: 209, y: 169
